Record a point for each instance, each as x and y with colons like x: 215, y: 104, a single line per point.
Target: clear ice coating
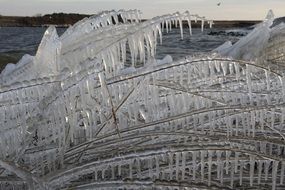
x: 251, y: 46
x: 93, y: 109
x: 264, y: 45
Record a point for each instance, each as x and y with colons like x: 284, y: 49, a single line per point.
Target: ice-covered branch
x: 205, y: 122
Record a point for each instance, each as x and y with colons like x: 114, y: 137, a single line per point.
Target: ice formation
x: 250, y: 47
x: 94, y: 110
x: 264, y: 45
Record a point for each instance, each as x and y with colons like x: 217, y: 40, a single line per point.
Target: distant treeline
x: 61, y: 19
x: 65, y: 19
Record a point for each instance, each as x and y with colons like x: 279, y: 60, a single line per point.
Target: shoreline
x: 62, y: 20
x: 217, y: 24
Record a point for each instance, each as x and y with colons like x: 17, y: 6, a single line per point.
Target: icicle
x: 274, y: 174
x: 249, y: 83
x: 194, y: 156
x: 225, y: 67
x: 252, y: 163
x: 181, y: 26
x: 260, y: 164
x: 170, y: 25
x: 211, y: 24
x: 253, y: 119
x: 177, y: 167
x: 283, y: 115
x: 104, y: 91
x: 131, y: 169
x: 119, y: 169
x: 137, y: 17
x: 267, y: 75
x: 159, y: 33
x: 196, y: 17
x: 116, y: 19
x: 166, y: 26
x: 95, y: 175
x: 103, y: 173
x: 141, y: 48
x: 150, y: 165
x: 188, y: 17
x: 237, y: 70
x: 228, y: 154
x: 270, y: 148
x: 151, y: 40
x: 139, y: 168
x: 162, y: 26
x: 202, y: 165
x: 202, y: 23
x: 210, y: 155
x: 157, y: 166
x: 170, y: 165
x: 266, y: 168
x: 219, y: 164
x: 262, y: 120
x: 241, y: 173
x: 112, y: 172
x: 282, y: 173
x: 222, y: 172
x: 282, y: 81
x: 183, y: 164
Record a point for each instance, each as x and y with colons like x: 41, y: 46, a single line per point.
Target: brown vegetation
x: 61, y: 19
x: 64, y: 19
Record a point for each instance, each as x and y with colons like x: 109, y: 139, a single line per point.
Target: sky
x: 228, y: 10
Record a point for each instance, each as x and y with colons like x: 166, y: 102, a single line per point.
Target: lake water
x: 17, y: 41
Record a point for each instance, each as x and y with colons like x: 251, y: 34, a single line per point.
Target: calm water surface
x: 17, y: 41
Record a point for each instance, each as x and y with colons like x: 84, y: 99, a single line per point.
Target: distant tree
x: 38, y: 15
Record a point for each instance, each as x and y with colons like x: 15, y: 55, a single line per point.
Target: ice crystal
x: 94, y: 110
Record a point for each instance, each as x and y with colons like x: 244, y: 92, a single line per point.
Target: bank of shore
x: 65, y: 20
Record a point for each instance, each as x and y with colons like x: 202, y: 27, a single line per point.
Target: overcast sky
x: 229, y: 9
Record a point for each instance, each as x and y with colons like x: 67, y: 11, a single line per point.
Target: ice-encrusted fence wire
x: 229, y: 104
x: 106, y: 122
x: 273, y: 55
x: 103, y: 19
x: 111, y: 44
x: 212, y: 122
